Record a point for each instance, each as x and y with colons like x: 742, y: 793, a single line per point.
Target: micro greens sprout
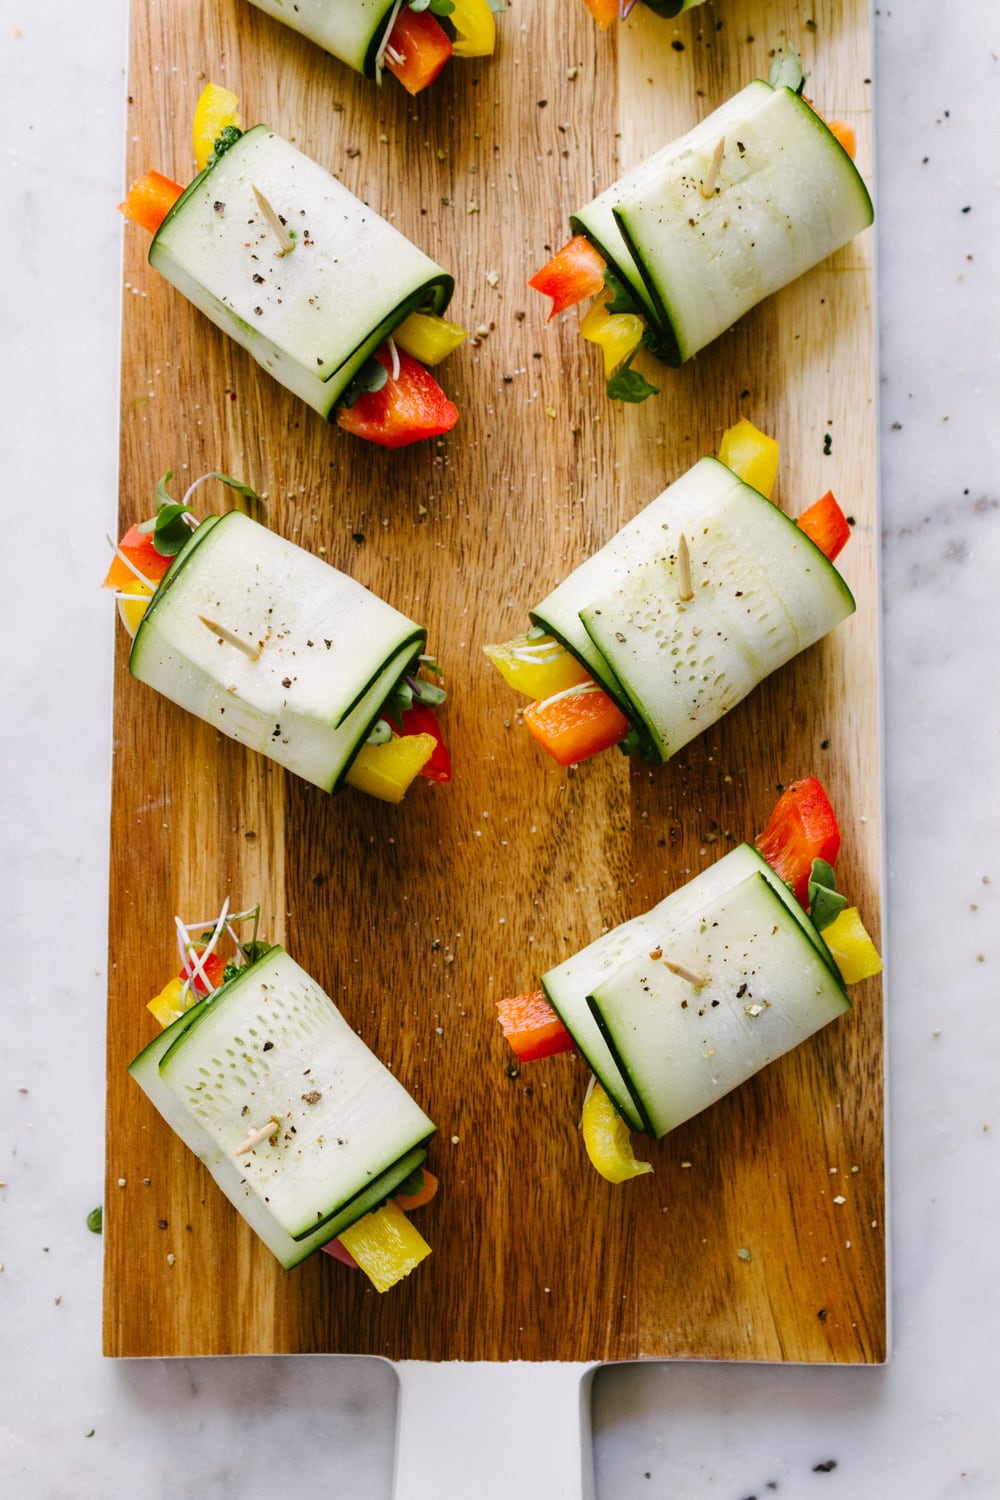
x: 174, y: 519
x: 195, y: 950
x: 380, y: 55
x: 589, y: 686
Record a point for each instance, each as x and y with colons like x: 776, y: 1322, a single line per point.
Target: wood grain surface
x: 761, y: 1233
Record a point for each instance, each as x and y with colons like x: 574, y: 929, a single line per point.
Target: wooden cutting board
x: 761, y: 1233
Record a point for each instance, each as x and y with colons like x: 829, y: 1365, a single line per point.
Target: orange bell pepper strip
x: 417, y: 50
x: 825, y: 524
x: 576, y: 724
x: 604, y: 12
x: 802, y: 827
x: 844, y: 133
x: 136, y: 547
x: 149, y: 200
x: 532, y: 1027
x: 409, y: 407
x: 574, y: 272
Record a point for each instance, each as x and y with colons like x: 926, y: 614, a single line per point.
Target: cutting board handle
x: 493, y: 1430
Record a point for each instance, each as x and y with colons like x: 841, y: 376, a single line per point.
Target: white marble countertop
x: 924, y: 1425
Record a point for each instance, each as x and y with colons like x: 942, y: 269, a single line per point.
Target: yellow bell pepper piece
x: 131, y: 610
x: 618, y: 334
x: 428, y: 338
x: 217, y: 107
x: 475, y: 28
x: 607, y: 1139
x: 387, y: 770
x: 751, y: 454
x: 539, y: 667
x: 172, y: 1001
x: 385, y: 1245
x: 853, y: 950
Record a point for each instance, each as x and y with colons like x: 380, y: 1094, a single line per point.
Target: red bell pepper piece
x: 149, y: 200
x: 802, y: 827
x: 825, y: 524
x: 214, y: 967
x: 340, y: 1252
x: 576, y: 724
x: 417, y: 50
x: 574, y: 272
x: 421, y: 719
x: 138, y: 547
x: 408, y: 408
x: 532, y: 1027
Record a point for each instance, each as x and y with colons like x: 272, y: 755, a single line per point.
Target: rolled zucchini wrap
x: 692, y: 238
x: 756, y: 194
x: 677, y: 618
x: 687, y: 1002
x: 301, y: 273
x: 301, y: 1126
x: 683, y: 1003
x: 355, y: 31
x: 273, y: 647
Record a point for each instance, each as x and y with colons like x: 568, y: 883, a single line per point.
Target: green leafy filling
x: 409, y: 690
x: 627, y: 384
x: 371, y: 377
x: 248, y: 954
x: 825, y: 901
x: 171, y: 531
